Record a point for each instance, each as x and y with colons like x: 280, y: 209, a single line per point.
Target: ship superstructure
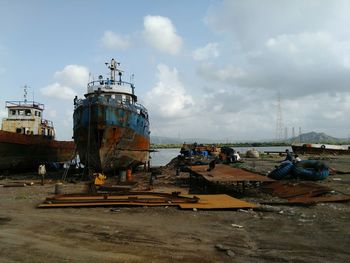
x: 25, y: 117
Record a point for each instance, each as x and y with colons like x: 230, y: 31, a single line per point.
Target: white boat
x: 318, y: 148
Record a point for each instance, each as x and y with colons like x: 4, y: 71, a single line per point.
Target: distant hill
x: 165, y: 140
x: 310, y: 137
x: 170, y: 140
x: 315, y: 137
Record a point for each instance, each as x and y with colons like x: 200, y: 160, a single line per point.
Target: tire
x: 283, y: 171
x: 311, y: 170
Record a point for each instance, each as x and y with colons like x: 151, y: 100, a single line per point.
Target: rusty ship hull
x: 25, y: 152
x: 111, y: 135
x: 320, y: 149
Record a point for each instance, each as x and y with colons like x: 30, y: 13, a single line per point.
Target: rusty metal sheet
x: 95, y: 204
x: 147, y: 199
x: 220, y: 201
x: 224, y: 173
x: 320, y: 199
x: 132, y: 199
x: 289, y: 189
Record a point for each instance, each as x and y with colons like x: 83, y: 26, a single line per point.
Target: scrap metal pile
x: 304, y: 192
x: 213, y: 177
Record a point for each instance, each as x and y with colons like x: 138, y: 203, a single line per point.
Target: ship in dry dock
x: 27, y: 139
x: 111, y: 130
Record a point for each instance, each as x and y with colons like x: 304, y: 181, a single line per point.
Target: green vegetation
x: 251, y: 144
x: 310, y: 137
x: 245, y: 144
x: 165, y: 146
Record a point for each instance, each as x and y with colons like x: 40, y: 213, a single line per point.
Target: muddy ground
x: 318, y: 233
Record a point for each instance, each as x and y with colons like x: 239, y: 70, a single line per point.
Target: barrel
x: 128, y: 175
x: 58, y: 188
x: 122, y: 176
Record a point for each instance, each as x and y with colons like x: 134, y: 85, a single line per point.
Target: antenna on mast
x: 25, y: 93
x: 113, y: 68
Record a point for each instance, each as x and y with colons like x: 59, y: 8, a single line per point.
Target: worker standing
x: 152, y: 178
x: 42, y: 172
x: 289, y: 156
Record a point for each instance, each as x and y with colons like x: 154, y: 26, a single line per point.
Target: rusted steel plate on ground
x: 132, y: 199
x: 320, y: 199
x: 100, y: 203
x: 224, y: 173
x: 148, y: 199
x: 289, y: 189
x: 220, y: 201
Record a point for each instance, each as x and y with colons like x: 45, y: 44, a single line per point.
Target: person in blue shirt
x: 289, y: 156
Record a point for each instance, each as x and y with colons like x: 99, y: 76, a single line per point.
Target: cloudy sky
x: 203, y: 68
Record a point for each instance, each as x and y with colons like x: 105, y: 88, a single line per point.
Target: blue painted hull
x: 111, y: 135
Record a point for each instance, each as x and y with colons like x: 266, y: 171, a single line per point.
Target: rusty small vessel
x: 111, y: 130
x: 317, y: 148
x: 27, y: 139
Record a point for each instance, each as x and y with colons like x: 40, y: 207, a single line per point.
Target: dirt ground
x: 318, y: 233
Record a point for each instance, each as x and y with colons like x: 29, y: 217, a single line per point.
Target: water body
x: 164, y: 156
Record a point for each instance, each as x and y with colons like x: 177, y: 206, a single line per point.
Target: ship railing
x: 47, y: 123
x: 136, y: 107
x: 33, y: 104
x: 141, y: 107
x: 111, y: 85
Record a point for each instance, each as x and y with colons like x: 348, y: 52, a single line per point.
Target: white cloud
x: 73, y: 75
x: 160, y: 33
x: 51, y: 113
x: 68, y: 120
x: 69, y: 82
x: 297, y: 65
x: 209, y: 51
x: 248, y: 23
x: 168, y: 99
x: 56, y: 90
x: 321, y: 112
x: 229, y: 74
x: 281, y: 46
x: 114, y: 41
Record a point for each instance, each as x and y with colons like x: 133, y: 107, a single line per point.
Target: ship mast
x: 25, y: 89
x: 25, y: 93
x: 113, y: 68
